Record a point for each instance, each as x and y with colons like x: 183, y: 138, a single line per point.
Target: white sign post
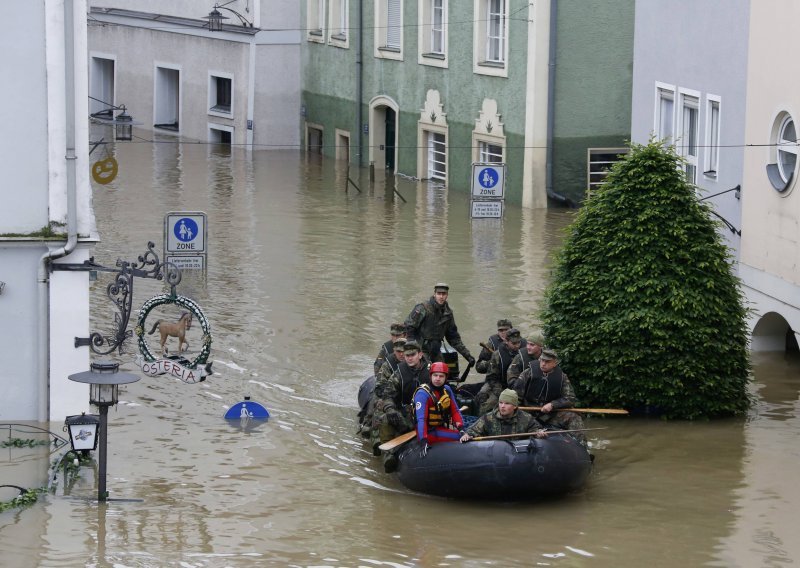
x: 488, y: 190
x: 185, y: 239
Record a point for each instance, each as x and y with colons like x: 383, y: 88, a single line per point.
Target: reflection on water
x: 305, y: 273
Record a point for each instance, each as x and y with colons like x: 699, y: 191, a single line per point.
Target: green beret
x: 536, y: 339
x: 509, y: 396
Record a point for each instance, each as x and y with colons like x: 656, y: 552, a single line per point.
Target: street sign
x: 487, y: 209
x: 185, y: 232
x: 488, y: 180
x: 188, y: 261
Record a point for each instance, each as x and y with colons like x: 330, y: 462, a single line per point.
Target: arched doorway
x: 773, y: 333
x: 383, y: 129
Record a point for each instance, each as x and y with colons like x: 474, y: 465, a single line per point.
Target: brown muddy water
x: 304, y: 278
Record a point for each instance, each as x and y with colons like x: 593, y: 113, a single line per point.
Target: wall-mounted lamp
x: 215, y: 17
x: 122, y: 123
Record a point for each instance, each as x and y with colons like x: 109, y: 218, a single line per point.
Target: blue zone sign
x: 488, y: 181
x: 185, y: 232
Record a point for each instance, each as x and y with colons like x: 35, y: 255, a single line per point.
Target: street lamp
x: 215, y: 17
x: 83, y: 431
x: 103, y: 380
x: 124, y: 125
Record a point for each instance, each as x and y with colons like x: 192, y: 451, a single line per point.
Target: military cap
x: 513, y: 335
x: 504, y: 323
x: 536, y: 339
x: 441, y: 286
x: 399, y: 343
x: 411, y: 346
x: 397, y: 329
x: 548, y: 355
x: 509, y: 396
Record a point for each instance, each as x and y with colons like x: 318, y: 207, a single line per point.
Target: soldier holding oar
x: 505, y: 419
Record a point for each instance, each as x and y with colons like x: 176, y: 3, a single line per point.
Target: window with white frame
x: 783, y: 153
x: 711, y: 164
x: 101, y: 86
x: 437, y: 155
x: 689, y: 131
x: 315, y: 20
x: 665, y: 114
x: 339, y: 26
x: 488, y: 135
x: 220, y: 94
x: 491, y: 36
x: 389, y: 29
x: 167, y: 99
x: 433, y: 32
x: 489, y: 153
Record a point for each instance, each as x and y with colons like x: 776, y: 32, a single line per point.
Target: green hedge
x: 643, y: 305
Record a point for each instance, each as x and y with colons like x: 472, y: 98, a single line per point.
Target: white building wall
x: 770, y: 252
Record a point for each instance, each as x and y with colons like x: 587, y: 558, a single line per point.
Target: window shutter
x: 393, y: 29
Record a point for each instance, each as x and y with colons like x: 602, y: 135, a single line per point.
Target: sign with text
x: 185, y: 232
x: 488, y: 180
x: 188, y: 262
x: 487, y: 209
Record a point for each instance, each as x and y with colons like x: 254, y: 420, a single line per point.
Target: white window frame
x: 688, y: 137
x: 339, y: 26
x: 712, y: 137
x: 315, y: 20
x: 428, y: 31
x: 212, y: 93
x: 780, y: 147
x: 160, y: 107
x: 664, y: 126
x: 221, y: 128
x: 486, y: 60
x: 101, y: 86
x: 388, y: 32
x: 435, y: 147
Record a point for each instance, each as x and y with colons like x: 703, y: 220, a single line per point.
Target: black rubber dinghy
x: 496, y: 469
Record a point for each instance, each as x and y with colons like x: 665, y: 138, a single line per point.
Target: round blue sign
x: 185, y: 230
x: 488, y: 178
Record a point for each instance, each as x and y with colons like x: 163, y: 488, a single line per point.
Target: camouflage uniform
x: 496, y: 381
x: 394, y: 394
x: 428, y: 323
x: 536, y: 389
x: 521, y: 361
x: 492, y: 424
x: 482, y: 366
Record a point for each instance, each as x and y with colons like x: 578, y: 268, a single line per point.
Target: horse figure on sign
x: 177, y: 329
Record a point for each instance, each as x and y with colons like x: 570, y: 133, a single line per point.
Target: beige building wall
x: 770, y: 252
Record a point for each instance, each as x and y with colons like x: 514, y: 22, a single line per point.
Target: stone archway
x: 773, y: 333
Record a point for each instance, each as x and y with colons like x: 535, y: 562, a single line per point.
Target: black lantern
x: 124, y: 125
x: 103, y: 380
x: 83, y: 431
x: 215, y: 18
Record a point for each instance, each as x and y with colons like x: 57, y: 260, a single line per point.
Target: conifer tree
x: 643, y: 306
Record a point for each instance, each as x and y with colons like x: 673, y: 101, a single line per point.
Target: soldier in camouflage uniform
x: 546, y: 385
x: 493, y: 344
x: 394, y: 395
x: 525, y: 358
x: 430, y: 322
x: 496, y: 376
x: 396, y: 331
x: 505, y: 419
x: 387, y: 369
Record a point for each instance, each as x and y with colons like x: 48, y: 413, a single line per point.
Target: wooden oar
x: 529, y: 434
x: 403, y: 438
x: 488, y: 348
x: 578, y: 410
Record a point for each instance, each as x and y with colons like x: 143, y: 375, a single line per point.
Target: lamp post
x: 103, y: 380
x: 124, y: 125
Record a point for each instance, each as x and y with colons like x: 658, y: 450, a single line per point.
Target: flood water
x: 304, y: 277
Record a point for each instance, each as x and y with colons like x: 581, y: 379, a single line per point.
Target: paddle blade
x: 399, y: 441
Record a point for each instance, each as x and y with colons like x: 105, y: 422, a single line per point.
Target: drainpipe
x: 72, y: 215
x: 359, y: 80
x: 551, y: 111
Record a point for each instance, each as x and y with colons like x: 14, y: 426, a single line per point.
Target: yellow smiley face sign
x: 104, y: 171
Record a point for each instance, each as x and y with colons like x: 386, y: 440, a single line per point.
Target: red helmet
x: 439, y: 367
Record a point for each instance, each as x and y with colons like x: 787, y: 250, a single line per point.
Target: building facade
x: 239, y: 85
x: 769, y: 263
x: 424, y: 88
x: 689, y: 89
x: 46, y: 217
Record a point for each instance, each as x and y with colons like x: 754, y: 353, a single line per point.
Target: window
x: 315, y: 20
x: 665, y: 114
x: 313, y: 138
x: 389, y: 29
x: 220, y: 94
x: 490, y: 153
x: 338, y: 23
x: 711, y: 164
x: 783, y: 153
x: 488, y: 135
x: 167, y: 99
x: 687, y: 145
x: 101, y: 87
x: 433, y: 32
x: 437, y: 155
x: 491, y: 37
x: 599, y: 161
x: 219, y: 134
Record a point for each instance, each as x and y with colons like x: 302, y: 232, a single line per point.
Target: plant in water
x: 643, y: 304
x: 24, y: 499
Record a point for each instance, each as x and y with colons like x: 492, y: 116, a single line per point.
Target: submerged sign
x: 172, y: 368
x: 185, y: 239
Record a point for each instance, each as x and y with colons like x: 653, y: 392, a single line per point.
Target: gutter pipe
x: 72, y: 215
x: 360, y: 81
